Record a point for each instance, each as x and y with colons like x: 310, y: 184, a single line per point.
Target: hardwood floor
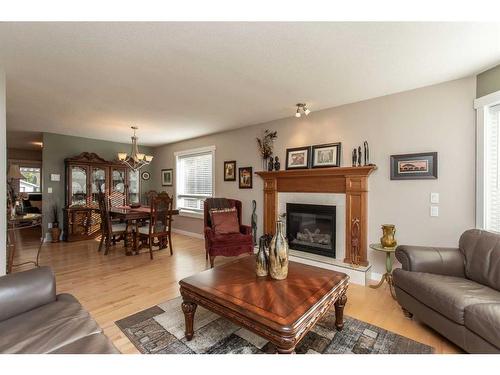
x: 115, y: 286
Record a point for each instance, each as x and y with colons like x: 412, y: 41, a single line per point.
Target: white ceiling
x: 181, y: 80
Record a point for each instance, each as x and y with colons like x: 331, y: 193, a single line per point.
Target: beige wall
x: 3, y: 174
x: 488, y: 81
x: 436, y: 118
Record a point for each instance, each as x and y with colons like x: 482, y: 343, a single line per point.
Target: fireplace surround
x: 311, y: 228
x: 351, y: 181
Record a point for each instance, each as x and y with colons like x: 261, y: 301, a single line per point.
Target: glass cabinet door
x: 118, y: 181
x: 133, y: 186
x: 78, y: 186
x: 98, y: 183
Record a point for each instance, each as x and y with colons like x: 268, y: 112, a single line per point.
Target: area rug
x: 160, y: 330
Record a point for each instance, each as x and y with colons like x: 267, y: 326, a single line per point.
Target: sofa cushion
x: 47, y: 327
x: 447, y: 295
x: 482, y: 256
x: 97, y: 343
x: 484, y: 320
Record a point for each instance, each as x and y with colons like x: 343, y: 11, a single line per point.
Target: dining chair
x: 116, y: 199
x: 110, y: 231
x: 159, y: 225
x: 149, y: 195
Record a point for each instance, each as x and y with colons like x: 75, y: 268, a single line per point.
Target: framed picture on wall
x: 327, y: 155
x: 230, y: 170
x: 245, y: 178
x: 167, y: 177
x: 298, y: 158
x: 422, y: 166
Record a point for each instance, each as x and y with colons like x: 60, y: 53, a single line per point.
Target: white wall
x: 435, y: 118
x: 3, y: 175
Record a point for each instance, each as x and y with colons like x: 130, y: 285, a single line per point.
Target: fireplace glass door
x: 311, y: 228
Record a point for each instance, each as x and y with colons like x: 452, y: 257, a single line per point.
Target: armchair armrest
x: 245, y: 229
x: 24, y: 291
x: 439, y: 260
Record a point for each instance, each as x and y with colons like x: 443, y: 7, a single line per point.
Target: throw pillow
x: 225, y: 221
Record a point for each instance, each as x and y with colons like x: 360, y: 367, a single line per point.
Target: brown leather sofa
x: 456, y: 291
x: 33, y: 319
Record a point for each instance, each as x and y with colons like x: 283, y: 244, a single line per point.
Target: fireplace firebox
x: 311, y: 228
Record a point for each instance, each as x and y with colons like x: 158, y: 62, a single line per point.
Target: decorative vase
x: 264, y: 164
x: 278, y: 253
x: 261, y: 264
x: 55, y: 234
x: 388, y: 233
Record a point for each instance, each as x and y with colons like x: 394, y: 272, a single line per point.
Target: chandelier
x: 135, y: 160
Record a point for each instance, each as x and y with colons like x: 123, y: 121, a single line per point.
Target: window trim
x: 481, y: 105
x: 185, y: 212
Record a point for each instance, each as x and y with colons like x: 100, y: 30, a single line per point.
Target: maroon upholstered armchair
x: 232, y: 244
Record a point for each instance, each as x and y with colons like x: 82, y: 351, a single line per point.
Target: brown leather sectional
x: 33, y: 319
x: 456, y: 291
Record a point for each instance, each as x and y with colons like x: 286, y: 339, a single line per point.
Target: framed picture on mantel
x: 422, y: 166
x: 298, y: 158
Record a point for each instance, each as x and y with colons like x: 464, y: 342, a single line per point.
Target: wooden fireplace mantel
x: 351, y: 181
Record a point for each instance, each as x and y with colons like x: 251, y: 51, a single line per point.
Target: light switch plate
x: 434, y: 197
x: 55, y: 177
x: 434, y: 211
x: 49, y: 190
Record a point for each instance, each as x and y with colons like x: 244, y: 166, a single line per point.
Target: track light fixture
x: 302, y: 107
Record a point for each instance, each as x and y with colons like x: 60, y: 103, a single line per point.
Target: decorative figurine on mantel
x: 254, y: 221
x: 360, y: 155
x: 277, y: 164
x: 270, y: 164
x: 367, y: 154
x: 354, y: 157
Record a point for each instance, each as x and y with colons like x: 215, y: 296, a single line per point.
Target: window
x: 195, y: 179
x: 488, y: 162
x: 32, y: 181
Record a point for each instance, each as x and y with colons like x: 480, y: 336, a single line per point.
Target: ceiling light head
x: 301, y: 107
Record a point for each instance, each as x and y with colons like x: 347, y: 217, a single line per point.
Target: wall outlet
x: 49, y: 225
x: 49, y: 190
x: 434, y: 211
x: 435, y: 198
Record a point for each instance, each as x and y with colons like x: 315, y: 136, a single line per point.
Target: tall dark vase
x: 261, y: 264
x: 278, y: 253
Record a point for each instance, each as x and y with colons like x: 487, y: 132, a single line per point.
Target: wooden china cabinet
x: 86, y: 174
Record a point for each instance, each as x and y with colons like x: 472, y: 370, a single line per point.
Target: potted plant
x: 55, y: 231
x: 266, y: 146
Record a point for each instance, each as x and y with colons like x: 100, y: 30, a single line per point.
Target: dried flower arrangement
x: 266, y: 143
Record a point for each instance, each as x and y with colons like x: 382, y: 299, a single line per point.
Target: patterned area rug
x: 160, y: 330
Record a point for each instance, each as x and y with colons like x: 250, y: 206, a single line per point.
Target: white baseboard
x: 189, y: 234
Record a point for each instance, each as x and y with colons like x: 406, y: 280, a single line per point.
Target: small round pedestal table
x: 388, y: 267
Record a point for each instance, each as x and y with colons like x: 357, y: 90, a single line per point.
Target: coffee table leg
x: 286, y: 351
x: 189, y: 309
x: 339, y: 312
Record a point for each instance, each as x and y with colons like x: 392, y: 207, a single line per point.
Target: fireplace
x: 311, y: 228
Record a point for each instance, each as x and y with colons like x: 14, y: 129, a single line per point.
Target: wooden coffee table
x: 280, y: 311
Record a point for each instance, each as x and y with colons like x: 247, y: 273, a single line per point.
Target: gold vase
x: 388, y: 235
x: 278, y: 254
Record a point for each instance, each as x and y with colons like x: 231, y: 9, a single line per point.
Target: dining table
x: 133, y: 216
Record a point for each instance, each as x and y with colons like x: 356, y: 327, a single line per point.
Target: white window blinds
x: 492, y: 169
x: 194, y: 179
